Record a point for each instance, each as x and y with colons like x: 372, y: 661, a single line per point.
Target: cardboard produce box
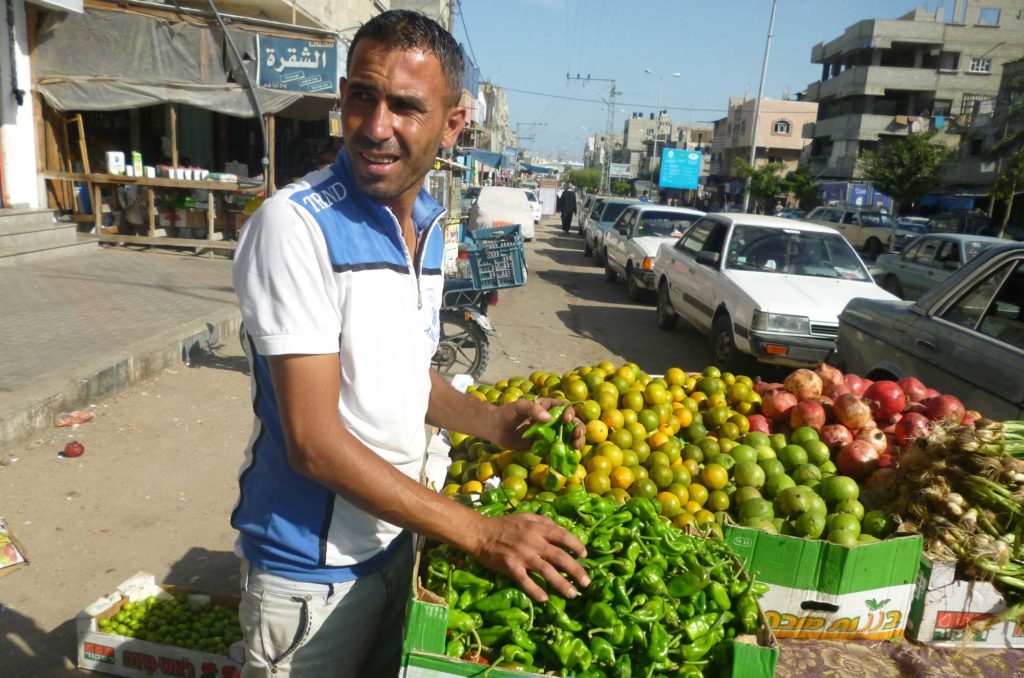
x: 945, y: 607
x: 427, y: 625
x: 824, y: 590
x: 123, y: 656
x: 12, y: 553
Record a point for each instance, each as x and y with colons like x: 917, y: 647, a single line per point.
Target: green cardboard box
x: 425, y: 638
x: 824, y: 590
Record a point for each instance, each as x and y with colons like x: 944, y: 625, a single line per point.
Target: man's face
x: 395, y: 113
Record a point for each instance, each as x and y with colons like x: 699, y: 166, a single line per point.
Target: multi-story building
x: 601, y: 149
x: 779, y: 133
x: 884, y: 79
x: 495, y: 120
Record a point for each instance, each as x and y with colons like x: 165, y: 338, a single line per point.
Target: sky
x: 717, y: 47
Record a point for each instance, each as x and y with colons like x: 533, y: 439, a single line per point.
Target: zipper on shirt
x: 415, y: 262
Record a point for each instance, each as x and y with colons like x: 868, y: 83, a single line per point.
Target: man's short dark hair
x: 403, y: 29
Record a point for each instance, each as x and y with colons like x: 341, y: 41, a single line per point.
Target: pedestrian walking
x: 338, y: 278
x: 567, y: 207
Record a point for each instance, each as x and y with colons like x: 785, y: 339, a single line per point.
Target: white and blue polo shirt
x: 320, y: 268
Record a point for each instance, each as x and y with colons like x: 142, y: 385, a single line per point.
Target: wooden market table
x: 97, y: 181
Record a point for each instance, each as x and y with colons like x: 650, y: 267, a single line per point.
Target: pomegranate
x: 777, y: 405
x: 891, y: 426
x: 835, y: 436
x: 910, y: 427
x: 857, y: 459
x: 930, y: 393
x: 851, y: 411
x: 886, y: 460
x: 970, y: 416
x: 804, y: 384
x: 856, y: 384
x: 807, y: 413
x: 886, y: 399
x: 874, y: 436
x: 74, y: 449
x: 759, y: 423
x: 763, y: 388
x: 836, y: 390
x: 913, y: 388
x: 830, y: 376
x: 944, y: 408
x: 917, y: 408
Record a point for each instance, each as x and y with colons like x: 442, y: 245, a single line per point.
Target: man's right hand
x: 520, y: 543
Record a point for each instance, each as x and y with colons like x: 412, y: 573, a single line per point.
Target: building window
x: 969, y: 104
x: 949, y: 61
x: 988, y: 16
x: 974, y: 149
x: 781, y: 127
x: 980, y: 65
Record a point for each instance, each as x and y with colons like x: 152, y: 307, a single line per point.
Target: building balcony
x: 839, y: 168
x: 874, y: 81
x: 864, y: 127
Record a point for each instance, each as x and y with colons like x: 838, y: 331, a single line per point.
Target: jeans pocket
x: 285, y: 623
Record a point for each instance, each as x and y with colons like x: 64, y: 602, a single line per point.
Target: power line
x: 605, y: 102
x: 462, y: 19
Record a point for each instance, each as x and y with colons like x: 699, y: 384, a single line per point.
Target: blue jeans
x: 297, y: 629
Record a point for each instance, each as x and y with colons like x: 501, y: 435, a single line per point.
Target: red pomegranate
x: 758, y: 422
x: 944, y: 408
x: 857, y: 459
x: 913, y: 388
x: 910, y: 427
x: 886, y: 399
x: 836, y: 390
x: 874, y: 436
x: 830, y: 376
x: 777, y: 405
x: 851, y: 411
x: 835, y: 436
x: 856, y: 383
x: 807, y: 413
x: 804, y: 384
x: 763, y: 388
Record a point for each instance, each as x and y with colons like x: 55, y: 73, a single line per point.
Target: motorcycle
x: 464, y: 344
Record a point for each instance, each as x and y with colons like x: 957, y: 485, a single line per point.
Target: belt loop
x: 330, y: 593
x: 244, y: 576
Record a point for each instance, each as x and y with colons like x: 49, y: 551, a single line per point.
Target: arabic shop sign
x: 297, y: 65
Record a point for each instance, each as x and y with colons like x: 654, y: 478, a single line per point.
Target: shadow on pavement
x: 215, y: 358
x: 566, y: 257
x: 23, y: 643
x: 207, y: 571
x: 590, y: 285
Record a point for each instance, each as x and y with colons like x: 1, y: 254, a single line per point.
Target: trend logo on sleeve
x: 319, y: 199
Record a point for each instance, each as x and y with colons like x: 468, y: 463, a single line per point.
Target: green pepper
x: 719, y: 596
x: 503, y: 600
x: 623, y: 667
x: 746, y: 610
x: 514, y: 653
x: 462, y: 579
x: 554, y: 607
x: 636, y: 636
x: 539, y: 427
x: 439, y: 569
x: 633, y: 551
x: 522, y: 638
x: 463, y: 622
x: 619, y: 592
x: 700, y: 647
x: 491, y: 510
x: 602, y: 651
x: 616, y: 633
x: 689, y: 583
x: 456, y: 647
x: 643, y: 509
x: 492, y: 635
x: 603, y: 544
x: 652, y: 611
x: 451, y: 597
x: 650, y: 580
x: 698, y: 626
x: 601, y: 591
x: 657, y: 648
x: 563, y: 458
x: 759, y: 589
x: 469, y: 596
x: 510, y: 617
x: 600, y: 615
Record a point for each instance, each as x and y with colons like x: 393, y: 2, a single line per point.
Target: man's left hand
x: 509, y: 422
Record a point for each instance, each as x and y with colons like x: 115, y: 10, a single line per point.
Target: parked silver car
x: 964, y: 336
x: 927, y: 261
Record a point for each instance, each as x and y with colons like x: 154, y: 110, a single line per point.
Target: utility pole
x: 757, y: 109
x: 605, y: 166
x: 657, y: 128
x: 519, y: 146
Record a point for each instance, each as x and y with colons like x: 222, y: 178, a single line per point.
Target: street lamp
x: 657, y: 124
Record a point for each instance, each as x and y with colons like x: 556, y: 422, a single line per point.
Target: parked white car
x: 534, y: 204
x: 502, y: 206
x: 632, y: 242
x: 600, y: 219
x: 869, y: 229
x: 761, y: 286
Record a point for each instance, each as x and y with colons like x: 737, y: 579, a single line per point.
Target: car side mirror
x: 708, y: 259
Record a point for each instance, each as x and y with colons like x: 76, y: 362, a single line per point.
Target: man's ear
x: 453, y: 126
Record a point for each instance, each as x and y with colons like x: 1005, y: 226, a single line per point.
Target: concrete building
x: 779, y: 135
x: 884, y: 79
x: 602, y: 148
x: 495, y: 121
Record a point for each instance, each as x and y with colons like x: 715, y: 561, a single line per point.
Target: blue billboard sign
x: 680, y: 168
x: 297, y: 65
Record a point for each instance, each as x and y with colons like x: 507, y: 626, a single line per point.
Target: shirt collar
x: 425, y: 210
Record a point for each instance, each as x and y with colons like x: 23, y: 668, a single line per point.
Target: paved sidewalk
x: 78, y: 328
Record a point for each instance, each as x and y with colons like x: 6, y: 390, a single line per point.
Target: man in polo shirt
x: 339, y: 281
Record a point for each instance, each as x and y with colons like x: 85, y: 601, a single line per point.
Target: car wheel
x: 873, y: 247
x: 609, y: 274
x: 667, y: 317
x: 588, y: 251
x: 723, y: 348
x: 891, y: 284
x: 633, y: 290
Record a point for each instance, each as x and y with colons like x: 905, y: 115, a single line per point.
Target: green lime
x: 766, y: 452
x: 817, y: 504
x: 784, y: 527
x: 803, y: 434
x: 805, y: 472
x: 851, y: 506
x: 748, y: 474
x: 778, y: 441
x: 827, y: 469
x: 756, y: 508
x: 710, y: 447
x: 756, y: 439
x: 764, y: 524
x: 743, y: 453
x: 843, y: 537
x: 772, y: 467
x: 795, y: 500
x: 693, y: 452
x: 546, y: 497
x: 792, y: 456
x: 776, y: 484
x: 834, y: 489
x: 744, y: 494
x: 817, y: 451
x: 643, y: 487
x: 726, y: 461
x: 809, y: 525
x: 696, y: 431
x: 844, y: 521
x: 878, y: 524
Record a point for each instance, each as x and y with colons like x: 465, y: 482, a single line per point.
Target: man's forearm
x: 455, y: 411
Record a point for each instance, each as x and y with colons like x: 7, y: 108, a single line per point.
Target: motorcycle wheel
x: 463, y: 347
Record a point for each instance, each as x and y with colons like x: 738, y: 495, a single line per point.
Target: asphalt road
x: 157, y: 482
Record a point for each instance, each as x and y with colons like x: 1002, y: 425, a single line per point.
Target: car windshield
x: 664, y: 224
x: 612, y: 211
x: 784, y: 250
x: 914, y: 226
x: 531, y: 196
x: 876, y: 219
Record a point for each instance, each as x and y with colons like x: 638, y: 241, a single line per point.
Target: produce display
x: 661, y: 602
x: 207, y: 627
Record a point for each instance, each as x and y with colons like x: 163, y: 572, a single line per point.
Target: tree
x: 621, y: 187
x: 766, y: 182
x: 588, y: 179
x: 1008, y: 185
x: 907, y: 169
x: 1008, y: 151
x: 802, y: 184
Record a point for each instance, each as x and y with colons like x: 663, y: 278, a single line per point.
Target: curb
x: 113, y: 372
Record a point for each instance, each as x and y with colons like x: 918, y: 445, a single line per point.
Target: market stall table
x: 216, y: 188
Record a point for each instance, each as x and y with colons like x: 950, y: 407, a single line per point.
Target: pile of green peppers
x: 552, y: 442
x: 661, y: 602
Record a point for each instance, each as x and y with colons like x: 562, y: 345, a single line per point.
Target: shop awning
x: 493, y: 160
x: 110, y: 60
x: 537, y: 169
